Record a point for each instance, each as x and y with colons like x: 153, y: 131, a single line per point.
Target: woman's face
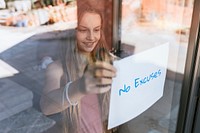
x: 88, y: 32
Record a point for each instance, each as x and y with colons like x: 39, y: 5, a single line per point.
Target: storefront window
x: 148, y: 24
x: 48, y: 47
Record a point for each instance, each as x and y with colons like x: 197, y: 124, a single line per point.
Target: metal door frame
x: 189, y: 94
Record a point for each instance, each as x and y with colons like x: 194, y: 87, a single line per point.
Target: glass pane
x: 45, y: 49
x: 147, y: 24
x: 31, y: 36
x: 35, y: 34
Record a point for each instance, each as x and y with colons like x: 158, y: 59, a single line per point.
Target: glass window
x: 52, y: 73
x: 147, y: 24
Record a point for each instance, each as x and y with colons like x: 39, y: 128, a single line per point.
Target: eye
x: 97, y: 30
x: 82, y: 30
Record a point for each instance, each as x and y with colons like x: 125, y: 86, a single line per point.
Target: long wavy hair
x: 71, y: 62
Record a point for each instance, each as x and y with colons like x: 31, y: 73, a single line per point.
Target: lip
x: 89, y: 44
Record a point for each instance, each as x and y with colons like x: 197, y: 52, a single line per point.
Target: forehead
x: 90, y: 19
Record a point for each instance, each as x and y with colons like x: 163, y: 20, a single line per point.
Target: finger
x: 103, y: 81
x: 105, y: 65
x: 104, y: 89
x: 104, y: 73
x: 101, y: 89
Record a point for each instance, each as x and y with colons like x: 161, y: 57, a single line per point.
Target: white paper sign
x: 138, y: 85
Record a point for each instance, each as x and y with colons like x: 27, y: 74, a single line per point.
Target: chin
x: 88, y: 50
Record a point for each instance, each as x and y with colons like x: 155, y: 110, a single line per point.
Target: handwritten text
x: 146, y: 79
x: 125, y: 89
x: 139, y: 81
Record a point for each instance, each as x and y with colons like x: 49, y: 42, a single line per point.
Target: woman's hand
x: 97, y: 78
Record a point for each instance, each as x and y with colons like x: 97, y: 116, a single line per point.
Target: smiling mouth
x: 89, y: 44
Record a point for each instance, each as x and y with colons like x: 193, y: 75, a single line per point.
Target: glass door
x: 134, y: 28
x: 147, y: 24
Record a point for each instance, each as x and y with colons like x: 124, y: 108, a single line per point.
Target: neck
x: 84, y: 53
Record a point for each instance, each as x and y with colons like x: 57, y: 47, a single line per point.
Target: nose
x: 90, y: 36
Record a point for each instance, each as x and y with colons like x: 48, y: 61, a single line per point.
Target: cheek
x: 80, y: 36
x: 97, y: 36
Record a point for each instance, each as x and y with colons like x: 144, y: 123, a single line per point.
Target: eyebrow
x: 87, y: 27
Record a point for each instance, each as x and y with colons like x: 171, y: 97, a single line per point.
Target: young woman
x: 78, y: 85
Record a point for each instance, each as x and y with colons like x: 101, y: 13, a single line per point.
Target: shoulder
x: 53, y: 75
x: 54, y: 69
x: 56, y: 64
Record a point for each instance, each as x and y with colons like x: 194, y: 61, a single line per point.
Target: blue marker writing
x: 125, y: 89
x: 146, y: 79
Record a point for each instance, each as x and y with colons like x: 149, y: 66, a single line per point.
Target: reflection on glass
x: 78, y: 84
x: 149, y: 23
x: 47, y: 51
x: 30, y: 38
